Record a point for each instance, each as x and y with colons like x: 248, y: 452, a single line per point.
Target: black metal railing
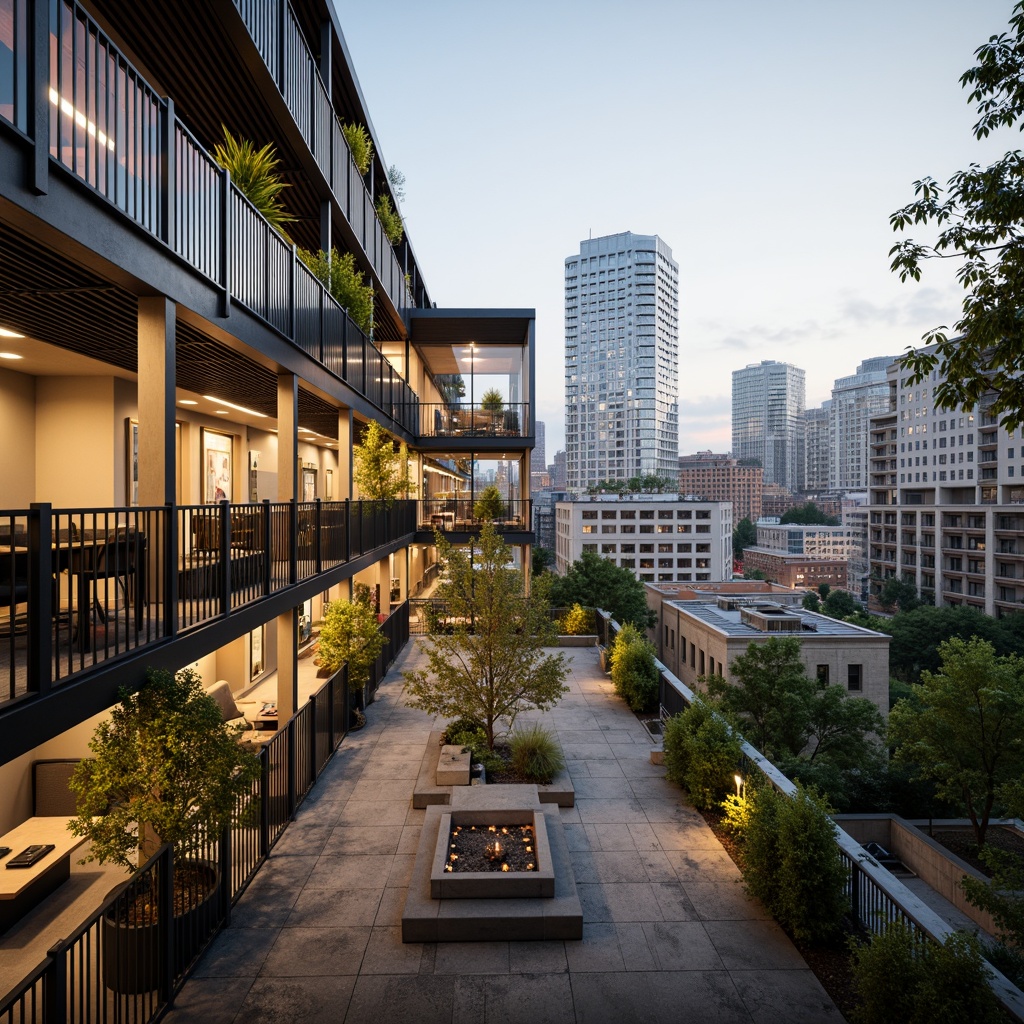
x: 467, y: 515
x: 81, y: 587
x: 100, y: 972
x: 106, y: 126
x: 464, y: 419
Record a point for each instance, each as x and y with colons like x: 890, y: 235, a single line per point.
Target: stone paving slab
x: 668, y: 933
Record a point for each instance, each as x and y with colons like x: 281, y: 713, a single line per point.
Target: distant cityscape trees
x: 597, y: 582
x: 808, y: 514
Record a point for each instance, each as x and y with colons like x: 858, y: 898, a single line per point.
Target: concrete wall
x: 18, y: 429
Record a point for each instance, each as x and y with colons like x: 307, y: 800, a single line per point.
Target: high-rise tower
x: 621, y: 360
x: 767, y: 420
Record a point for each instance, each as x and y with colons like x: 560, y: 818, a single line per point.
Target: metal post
x: 40, y: 597
x: 40, y: 90
x: 225, y: 558
x: 168, y: 173
x: 225, y: 876
x: 55, y: 985
x: 165, y: 921
x: 268, y: 555
x: 225, y: 242
x: 291, y: 767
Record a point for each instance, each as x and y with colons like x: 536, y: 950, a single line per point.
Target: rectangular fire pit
x: 492, y: 884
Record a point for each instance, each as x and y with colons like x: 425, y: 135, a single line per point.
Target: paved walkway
x: 669, y: 935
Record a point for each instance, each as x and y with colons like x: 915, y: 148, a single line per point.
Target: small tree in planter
x: 165, y: 769
x: 492, y: 401
x: 488, y: 504
x: 381, y: 473
x: 350, y: 635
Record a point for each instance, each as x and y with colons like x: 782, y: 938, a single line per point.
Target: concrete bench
x: 453, y: 766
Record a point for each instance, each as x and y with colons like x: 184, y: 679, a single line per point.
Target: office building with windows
x: 720, y: 477
x: 817, y: 448
x: 621, y: 360
x: 855, y: 399
x: 767, y: 420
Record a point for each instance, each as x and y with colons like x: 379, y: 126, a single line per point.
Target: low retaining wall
x: 565, y: 640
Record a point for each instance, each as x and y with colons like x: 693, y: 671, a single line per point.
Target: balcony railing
x: 79, y: 587
x: 108, y: 128
x: 460, y: 515
x: 463, y: 420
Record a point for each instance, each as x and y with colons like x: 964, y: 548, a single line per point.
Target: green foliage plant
x: 577, y: 621
x: 489, y: 504
x: 635, y: 675
x: 254, y: 173
x: 338, y: 273
x: 164, y: 769
x: 350, y: 635
x: 536, y: 754
x: 390, y: 219
x: 736, y: 814
x: 380, y: 472
x: 492, y: 401
x: 1002, y: 896
x: 791, y: 862
x: 903, y: 978
x: 808, y: 514
x: 964, y: 727
x: 701, y: 753
x: 456, y: 727
x: 744, y: 536
x: 359, y: 142
x: 597, y: 582
x: 475, y: 740
x: 487, y: 662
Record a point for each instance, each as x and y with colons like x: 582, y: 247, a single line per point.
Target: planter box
x: 584, y: 640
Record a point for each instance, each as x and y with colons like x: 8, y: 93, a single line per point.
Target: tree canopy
x: 963, y: 727
x: 597, y: 582
x: 744, y: 536
x: 486, y: 656
x: 808, y: 514
x: 380, y: 472
x: 979, y: 217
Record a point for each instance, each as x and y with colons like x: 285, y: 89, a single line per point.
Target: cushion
x: 221, y: 693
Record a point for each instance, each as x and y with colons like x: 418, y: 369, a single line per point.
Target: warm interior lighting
x: 220, y: 412
x: 188, y: 401
x: 238, y: 408
x: 739, y: 784
x: 10, y: 355
x: 5, y: 333
x: 81, y: 120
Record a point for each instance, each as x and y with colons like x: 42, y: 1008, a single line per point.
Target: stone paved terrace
x: 669, y: 935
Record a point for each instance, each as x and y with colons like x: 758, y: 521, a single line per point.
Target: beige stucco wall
x: 18, y: 430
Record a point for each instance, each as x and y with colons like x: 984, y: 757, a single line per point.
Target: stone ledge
x: 428, y: 793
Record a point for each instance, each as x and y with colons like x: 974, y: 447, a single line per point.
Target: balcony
x: 464, y: 420
x: 82, y: 588
x: 457, y: 515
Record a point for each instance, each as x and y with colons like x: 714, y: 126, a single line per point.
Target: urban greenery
x: 979, y: 216
x: 488, y: 664
x: 489, y: 504
x: 634, y: 674
x: 390, y: 219
x: 597, y: 582
x: 164, y: 769
x: 963, y: 728
x: 338, y: 273
x: 380, y: 472
x: 577, y: 621
x: 807, y: 514
x: 650, y: 484
x: 702, y: 753
x: 397, y: 181
x: 359, y: 143
x: 350, y: 635
x: 901, y: 978
x: 743, y: 537
x: 254, y: 173
x: 536, y: 755
x: 492, y: 401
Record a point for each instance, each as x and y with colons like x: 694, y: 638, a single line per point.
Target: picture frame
x: 131, y: 461
x: 309, y: 483
x: 329, y: 486
x: 256, y: 659
x: 217, y: 465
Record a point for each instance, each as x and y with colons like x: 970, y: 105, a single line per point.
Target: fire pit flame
x: 494, y: 851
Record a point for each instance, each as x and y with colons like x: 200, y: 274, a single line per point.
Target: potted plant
x: 165, y: 769
x: 350, y: 635
x: 488, y: 504
x: 254, y: 173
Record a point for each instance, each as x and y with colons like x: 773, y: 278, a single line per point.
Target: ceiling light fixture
x: 237, y: 408
x: 10, y: 355
x: 5, y: 333
x: 187, y: 401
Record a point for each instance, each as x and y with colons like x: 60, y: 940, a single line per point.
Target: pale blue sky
x: 766, y: 142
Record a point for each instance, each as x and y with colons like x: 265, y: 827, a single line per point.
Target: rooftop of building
x: 710, y: 591
x: 663, y: 498
x: 733, y: 620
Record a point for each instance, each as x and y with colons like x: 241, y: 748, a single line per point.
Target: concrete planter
x: 584, y: 640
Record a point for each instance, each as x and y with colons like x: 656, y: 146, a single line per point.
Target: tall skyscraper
x: 767, y: 420
x: 621, y: 360
x: 855, y: 400
x: 539, y: 459
x: 818, y: 448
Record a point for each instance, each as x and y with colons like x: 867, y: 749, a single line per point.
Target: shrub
x: 359, y: 143
x: 701, y: 753
x: 536, y: 754
x: 736, y: 814
x: 635, y: 676
x: 390, y: 220
x: 253, y: 173
x: 344, y: 280
x: 577, y: 621
x: 899, y: 977
x: 460, y: 725
x: 626, y: 635
x: 475, y: 739
x: 792, y: 863
x: 488, y: 504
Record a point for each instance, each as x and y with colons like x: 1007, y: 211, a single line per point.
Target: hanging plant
x: 253, y: 172
x: 390, y: 220
x: 359, y: 143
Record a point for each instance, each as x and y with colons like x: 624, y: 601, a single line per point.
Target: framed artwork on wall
x: 256, y: 653
x: 308, y: 483
x: 329, y: 475
x: 216, y: 451
x: 131, y: 461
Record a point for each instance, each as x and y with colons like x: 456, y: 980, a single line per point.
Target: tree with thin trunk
x: 381, y: 473
x: 486, y: 654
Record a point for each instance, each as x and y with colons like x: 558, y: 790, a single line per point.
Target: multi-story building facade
x: 539, y: 459
x: 855, y: 399
x: 656, y: 536
x: 621, y: 360
x: 720, y: 477
x: 802, y: 556
x: 945, y: 494
x: 767, y: 420
x: 181, y: 397
x: 817, y: 448
x: 557, y: 472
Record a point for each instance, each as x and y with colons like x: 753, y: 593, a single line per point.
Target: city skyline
x: 773, y: 188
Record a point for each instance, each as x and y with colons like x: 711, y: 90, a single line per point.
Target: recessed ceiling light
x: 231, y: 405
x: 4, y: 333
x: 188, y: 401
x: 220, y: 412
x: 10, y: 355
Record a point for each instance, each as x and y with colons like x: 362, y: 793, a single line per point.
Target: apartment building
x: 817, y: 448
x: 658, y: 537
x: 181, y: 397
x: 946, y: 494
x: 720, y: 477
x: 855, y: 399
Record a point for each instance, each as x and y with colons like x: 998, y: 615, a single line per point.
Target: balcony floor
x: 667, y: 927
